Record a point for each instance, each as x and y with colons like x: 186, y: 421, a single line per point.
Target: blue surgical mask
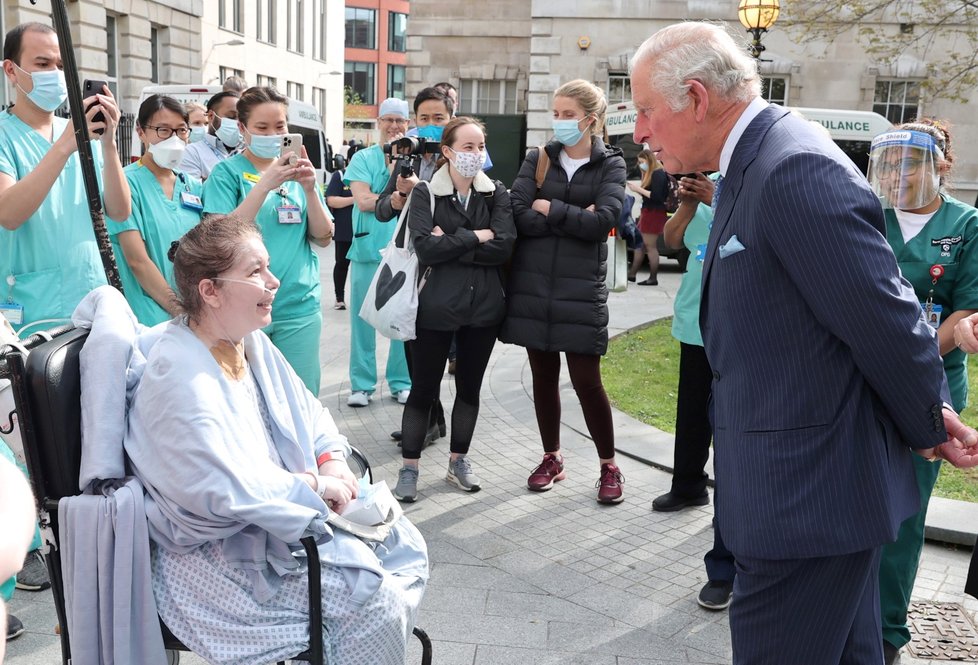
x: 229, y: 133
x: 431, y: 132
x: 197, y: 133
x: 50, y: 90
x: 266, y: 147
x: 568, y: 132
x: 643, y: 166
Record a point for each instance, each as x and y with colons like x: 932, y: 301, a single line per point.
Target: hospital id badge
x: 932, y: 313
x: 191, y: 201
x: 13, y: 312
x: 289, y: 214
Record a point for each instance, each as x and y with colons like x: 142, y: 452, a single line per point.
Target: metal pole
x: 61, y: 26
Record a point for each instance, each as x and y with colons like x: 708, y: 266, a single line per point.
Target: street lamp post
x: 757, y: 16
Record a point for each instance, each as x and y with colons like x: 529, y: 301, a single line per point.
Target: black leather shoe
x: 890, y: 653
x: 715, y: 595
x: 670, y: 502
x: 431, y: 436
x: 651, y: 281
x: 396, y: 435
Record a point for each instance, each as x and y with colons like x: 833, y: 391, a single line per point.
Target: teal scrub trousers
x: 298, y: 340
x: 363, y: 340
x: 898, y: 565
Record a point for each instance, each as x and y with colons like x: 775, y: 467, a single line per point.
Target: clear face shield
x: 904, y: 169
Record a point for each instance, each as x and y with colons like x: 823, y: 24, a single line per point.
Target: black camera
x: 411, y: 146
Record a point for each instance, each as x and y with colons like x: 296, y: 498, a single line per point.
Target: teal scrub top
x: 52, y: 258
x: 159, y: 221
x: 291, y: 258
x: 369, y: 235
x: 949, y: 239
x: 686, y: 306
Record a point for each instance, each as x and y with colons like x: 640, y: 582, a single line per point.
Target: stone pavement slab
x: 555, y: 577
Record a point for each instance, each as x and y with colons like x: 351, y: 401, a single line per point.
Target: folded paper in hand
x: 371, y: 515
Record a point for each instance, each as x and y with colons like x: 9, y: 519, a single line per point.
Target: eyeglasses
x: 907, y: 166
x: 393, y: 121
x: 167, y: 132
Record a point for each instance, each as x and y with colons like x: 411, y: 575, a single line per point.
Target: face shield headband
x: 904, y: 169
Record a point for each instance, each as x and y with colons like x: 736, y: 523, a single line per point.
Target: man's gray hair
x: 699, y: 51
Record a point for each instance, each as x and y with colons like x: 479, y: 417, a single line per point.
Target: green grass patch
x: 641, y: 375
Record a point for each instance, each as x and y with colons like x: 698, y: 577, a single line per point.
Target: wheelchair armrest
x: 315, y: 599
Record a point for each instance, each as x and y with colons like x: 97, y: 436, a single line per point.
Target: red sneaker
x: 609, y: 484
x: 551, y: 469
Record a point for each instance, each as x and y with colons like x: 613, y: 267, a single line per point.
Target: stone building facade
x: 130, y: 43
x: 532, y: 46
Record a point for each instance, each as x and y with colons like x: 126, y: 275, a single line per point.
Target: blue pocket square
x: 731, y: 247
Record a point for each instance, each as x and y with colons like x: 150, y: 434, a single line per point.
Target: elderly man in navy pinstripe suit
x: 826, y: 377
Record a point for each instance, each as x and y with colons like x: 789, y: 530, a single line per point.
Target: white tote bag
x: 616, y: 276
x: 391, y: 304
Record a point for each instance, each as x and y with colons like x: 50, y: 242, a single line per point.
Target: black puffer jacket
x: 556, y: 296
x: 462, y: 278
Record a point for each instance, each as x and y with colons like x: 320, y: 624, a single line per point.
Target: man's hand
x: 964, y: 334
x: 961, y: 449
x: 405, y: 185
x: 698, y: 189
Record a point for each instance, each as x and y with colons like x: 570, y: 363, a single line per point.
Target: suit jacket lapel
x: 743, y: 156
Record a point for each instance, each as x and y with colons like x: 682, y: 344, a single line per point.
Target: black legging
x: 340, y: 270
x: 585, y: 374
x: 693, y: 431
x: 428, y: 355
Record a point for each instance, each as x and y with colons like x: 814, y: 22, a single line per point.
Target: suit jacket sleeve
x: 830, y: 243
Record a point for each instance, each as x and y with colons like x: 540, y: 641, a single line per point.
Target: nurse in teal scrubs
x: 935, y: 240
x: 49, y: 259
x: 285, y: 201
x: 165, y: 205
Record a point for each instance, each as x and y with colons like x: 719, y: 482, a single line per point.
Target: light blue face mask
x: 229, y: 133
x: 197, y: 133
x: 431, y: 132
x: 266, y: 147
x: 568, y: 132
x: 50, y: 90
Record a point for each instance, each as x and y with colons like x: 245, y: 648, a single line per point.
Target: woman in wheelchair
x: 240, y: 461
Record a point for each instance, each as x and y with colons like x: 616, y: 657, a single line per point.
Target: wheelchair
x: 47, y: 394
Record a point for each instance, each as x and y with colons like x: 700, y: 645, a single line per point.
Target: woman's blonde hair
x: 590, y: 98
x: 654, y: 165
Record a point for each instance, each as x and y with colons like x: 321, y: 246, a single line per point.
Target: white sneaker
x: 358, y: 398
x: 402, y: 396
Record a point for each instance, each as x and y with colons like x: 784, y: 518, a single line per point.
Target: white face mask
x: 169, y: 153
x: 468, y: 164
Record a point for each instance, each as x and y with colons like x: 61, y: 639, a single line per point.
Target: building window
x: 775, y: 89
x: 319, y: 30
x: 154, y: 54
x: 396, y: 77
x: 619, y: 88
x: 361, y: 28
x: 112, y: 54
x: 266, y: 81
x: 295, y: 90
x: 319, y: 100
x: 230, y: 15
x: 359, y: 77
x: 898, y: 101
x: 266, y: 21
x: 295, y: 26
x: 487, y: 96
x: 223, y: 73
x: 396, y: 32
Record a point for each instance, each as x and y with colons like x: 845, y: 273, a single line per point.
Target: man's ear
x: 700, y: 99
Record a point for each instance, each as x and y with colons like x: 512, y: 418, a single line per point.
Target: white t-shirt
x: 571, y: 165
x: 911, y: 223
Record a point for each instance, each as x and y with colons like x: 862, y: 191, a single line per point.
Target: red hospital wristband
x: 326, y: 457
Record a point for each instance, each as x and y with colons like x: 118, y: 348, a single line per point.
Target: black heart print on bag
x: 387, y: 285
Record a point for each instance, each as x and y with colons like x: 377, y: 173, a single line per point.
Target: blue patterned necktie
x: 717, y: 185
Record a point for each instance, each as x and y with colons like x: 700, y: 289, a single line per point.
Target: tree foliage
x: 944, y: 33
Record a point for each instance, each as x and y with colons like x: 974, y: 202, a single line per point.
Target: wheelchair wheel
x: 358, y: 463
x: 172, y: 657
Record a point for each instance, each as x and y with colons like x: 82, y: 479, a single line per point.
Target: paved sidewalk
x: 549, y: 578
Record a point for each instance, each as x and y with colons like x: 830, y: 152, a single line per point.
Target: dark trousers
x: 720, y: 564
x: 820, y: 611
x: 693, y: 431
x: 436, y: 415
x: 340, y: 269
x: 585, y: 374
x: 429, y: 352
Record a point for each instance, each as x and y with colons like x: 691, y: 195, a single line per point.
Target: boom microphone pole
x: 87, y: 161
